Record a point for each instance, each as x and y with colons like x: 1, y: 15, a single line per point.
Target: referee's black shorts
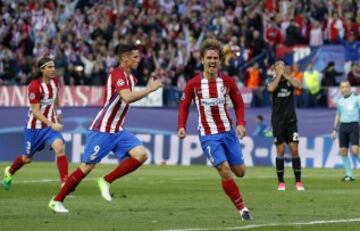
x: 285, y: 132
x: 348, y: 134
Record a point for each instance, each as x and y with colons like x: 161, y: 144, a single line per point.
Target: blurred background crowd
x: 81, y: 35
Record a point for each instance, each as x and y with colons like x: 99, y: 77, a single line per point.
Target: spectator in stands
x: 354, y: 75
x: 297, y: 74
x: 329, y: 75
x: 253, y: 81
x: 336, y: 28
x: 262, y: 129
x: 328, y: 80
x: 273, y: 37
x: 316, y: 34
x: 32, y: 29
x: 257, y: 44
x: 311, y: 86
x: 293, y: 34
x: 352, y: 50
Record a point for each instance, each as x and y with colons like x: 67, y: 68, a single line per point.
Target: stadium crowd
x: 81, y: 35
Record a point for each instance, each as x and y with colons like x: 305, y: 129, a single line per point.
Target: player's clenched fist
x: 241, y: 131
x: 181, y: 133
x: 154, y: 84
x: 56, y: 127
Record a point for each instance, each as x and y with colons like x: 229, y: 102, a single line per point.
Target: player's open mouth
x: 212, y: 65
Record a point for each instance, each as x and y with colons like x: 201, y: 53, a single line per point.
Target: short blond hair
x: 211, y: 44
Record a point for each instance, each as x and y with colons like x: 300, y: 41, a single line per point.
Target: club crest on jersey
x: 120, y: 83
x: 32, y: 96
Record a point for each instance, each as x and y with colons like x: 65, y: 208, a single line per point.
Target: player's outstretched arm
x: 130, y: 97
x: 35, y: 108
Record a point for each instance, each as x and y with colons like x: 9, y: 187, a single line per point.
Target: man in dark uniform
x: 284, y: 122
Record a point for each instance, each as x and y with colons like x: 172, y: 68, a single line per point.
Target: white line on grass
x: 262, y: 177
x: 44, y: 181
x: 269, y: 225
x: 174, y: 179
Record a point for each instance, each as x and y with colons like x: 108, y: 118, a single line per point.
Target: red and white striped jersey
x: 112, y: 115
x: 44, y: 94
x: 211, y: 97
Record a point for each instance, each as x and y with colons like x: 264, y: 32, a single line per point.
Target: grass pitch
x: 181, y: 198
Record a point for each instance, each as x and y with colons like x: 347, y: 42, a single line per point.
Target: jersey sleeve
x: 358, y: 101
x: 337, y: 107
x: 184, y: 104
x: 238, y: 103
x: 57, y: 82
x: 135, y: 80
x: 34, y: 93
x: 119, y: 80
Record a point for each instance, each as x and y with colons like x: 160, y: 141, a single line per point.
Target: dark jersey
x: 283, y: 108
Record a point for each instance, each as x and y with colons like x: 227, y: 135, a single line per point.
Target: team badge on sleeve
x: 120, y: 83
x: 32, y: 96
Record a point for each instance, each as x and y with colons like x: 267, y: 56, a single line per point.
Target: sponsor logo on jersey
x: 212, y: 102
x: 283, y: 93
x: 47, y: 101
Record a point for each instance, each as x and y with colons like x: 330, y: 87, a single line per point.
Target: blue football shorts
x: 222, y: 147
x: 100, y: 144
x: 35, y: 139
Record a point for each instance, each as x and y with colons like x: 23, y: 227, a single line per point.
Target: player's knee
x: 355, y: 150
x: 140, y: 154
x: 60, y: 152
x: 59, y: 149
x: 86, y: 168
x: 239, y: 173
x: 343, y: 152
x: 294, y: 155
x: 142, y: 157
x: 225, y: 172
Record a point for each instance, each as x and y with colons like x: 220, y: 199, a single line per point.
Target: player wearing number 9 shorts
x: 107, y: 134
